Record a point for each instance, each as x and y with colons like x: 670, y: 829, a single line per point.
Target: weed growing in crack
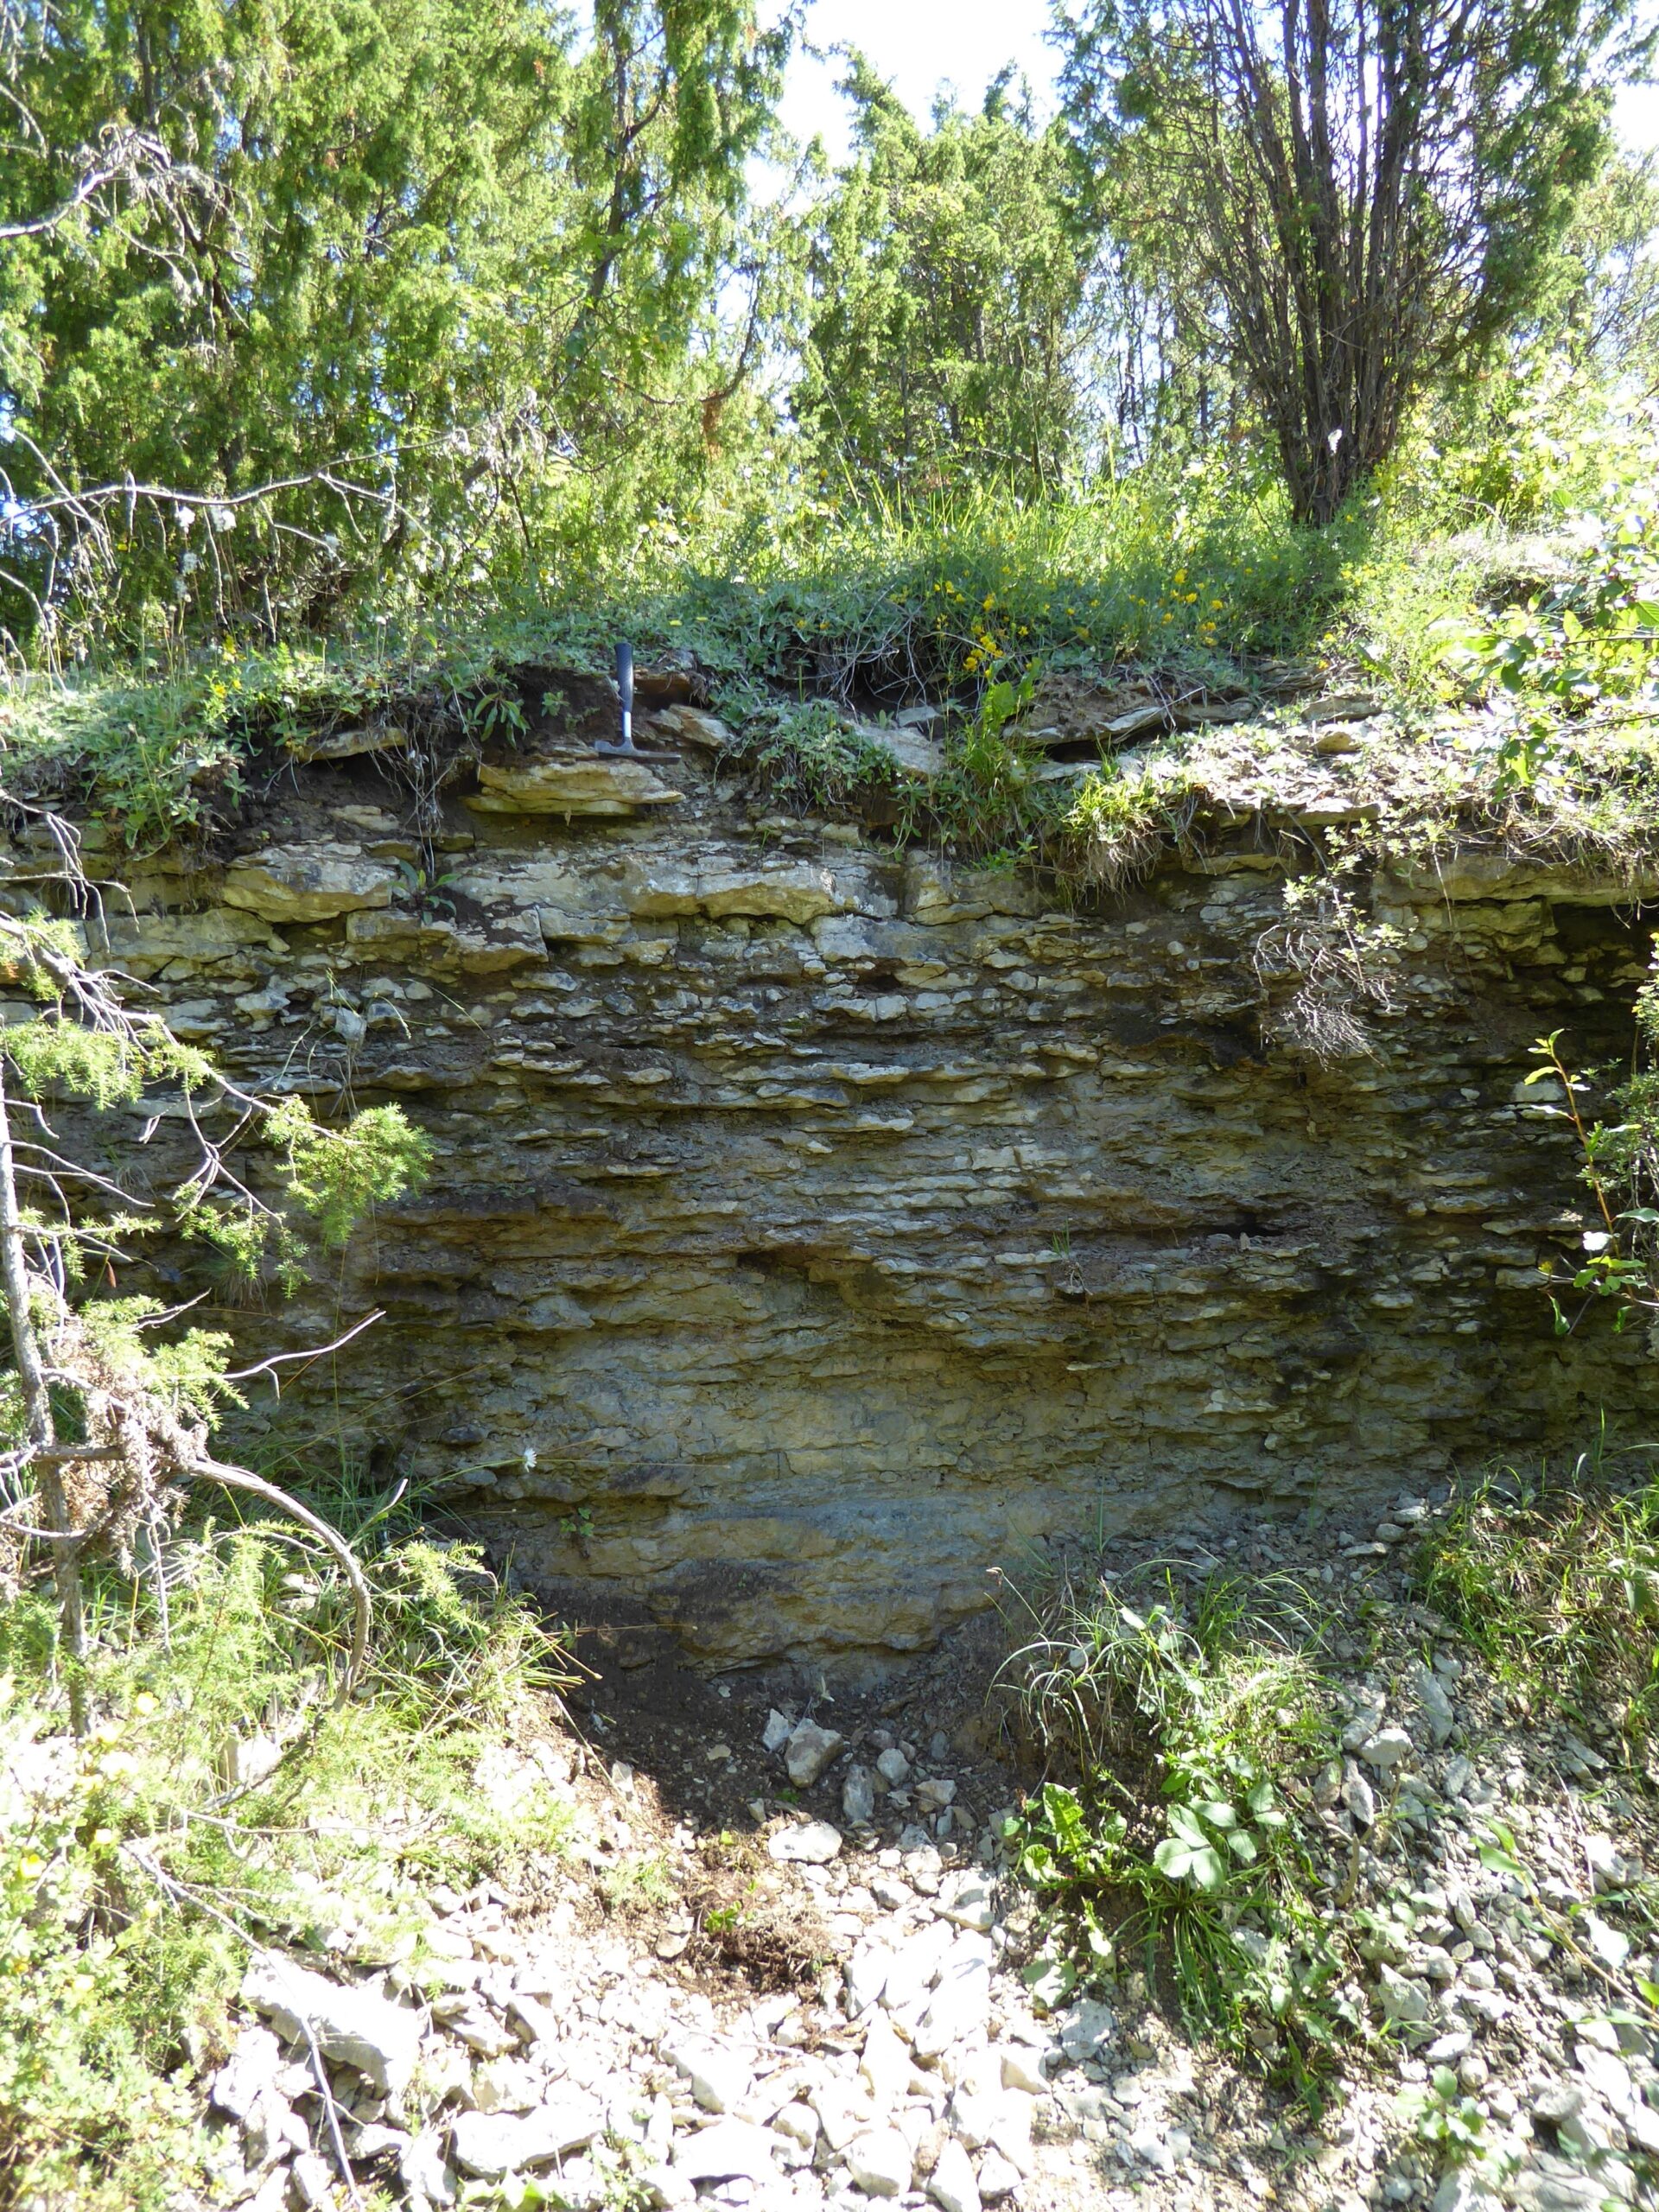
x: 1180, y: 1731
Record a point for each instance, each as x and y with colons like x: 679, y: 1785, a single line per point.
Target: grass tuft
x: 1554, y: 1579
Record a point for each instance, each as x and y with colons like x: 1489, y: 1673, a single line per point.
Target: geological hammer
x: 624, y: 699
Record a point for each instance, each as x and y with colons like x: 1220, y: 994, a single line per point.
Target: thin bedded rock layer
x: 815, y: 1230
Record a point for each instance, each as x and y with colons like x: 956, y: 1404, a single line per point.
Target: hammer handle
x: 624, y: 687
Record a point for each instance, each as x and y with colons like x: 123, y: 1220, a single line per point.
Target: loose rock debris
x: 876, y: 2039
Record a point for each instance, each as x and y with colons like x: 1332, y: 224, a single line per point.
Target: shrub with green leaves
x: 1583, y: 650
x: 1179, y: 1731
x: 136, y: 1870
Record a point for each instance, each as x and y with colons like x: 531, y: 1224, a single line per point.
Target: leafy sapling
x: 103, y: 1426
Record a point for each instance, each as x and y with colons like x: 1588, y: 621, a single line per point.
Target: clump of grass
x: 1554, y: 1580
x: 640, y: 1883
x: 1178, y: 1731
x: 220, y: 1803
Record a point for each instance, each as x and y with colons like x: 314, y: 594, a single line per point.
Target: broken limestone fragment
x: 729, y: 2149
x: 307, y: 883
x: 1434, y: 1703
x: 858, y: 1797
x: 1386, y: 1749
x: 352, y: 2027
x: 809, y: 1751
x: 489, y: 2143
x: 578, y: 782
x: 717, y: 2077
x: 879, y: 2162
x: 813, y: 1845
x: 951, y: 2184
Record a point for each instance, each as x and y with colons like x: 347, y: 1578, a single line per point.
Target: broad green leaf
x: 1207, y: 1870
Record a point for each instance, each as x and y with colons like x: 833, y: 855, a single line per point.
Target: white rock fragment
x: 490, y: 2144
x: 1386, y: 1749
x: 966, y: 1898
x: 893, y: 1768
x: 271, y: 2196
x: 1462, y: 2190
x: 858, y: 1797
x: 884, y: 2066
x: 668, y: 2187
x: 251, y: 2069
x: 951, y: 2184
x: 840, y: 2113
x: 998, y: 2178
x: 1022, y: 2068
x: 1448, y: 2050
x: 814, y: 1844
x: 775, y: 1734
x: 809, y: 1751
x: 310, y: 2181
x: 798, y: 2123
x: 879, y: 2162
x: 1085, y: 2030
x: 1608, y: 1868
x: 867, y: 1973
x: 506, y: 2085
x: 730, y: 2149
x: 1360, y: 1799
x: 1404, y: 2001
x: 422, y: 2171
x: 914, y: 1967
x: 1433, y: 1704
x: 717, y: 2076
x: 959, y: 2009
x: 352, y: 2027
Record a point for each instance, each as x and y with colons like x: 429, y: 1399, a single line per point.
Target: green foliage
x: 187, y: 1373
x: 1272, y: 152
x: 1591, y: 641
x: 115, y: 1982
x: 1441, y: 2116
x: 1620, y: 1259
x: 640, y: 1883
x: 1183, y: 1723
x: 337, y: 1175
x: 87, y: 1045
x: 1554, y: 1580
x: 947, y: 339
x: 424, y: 270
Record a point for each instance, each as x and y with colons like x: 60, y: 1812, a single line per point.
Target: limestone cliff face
x: 815, y: 1228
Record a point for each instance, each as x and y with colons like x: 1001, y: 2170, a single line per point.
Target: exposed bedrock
x: 815, y: 1230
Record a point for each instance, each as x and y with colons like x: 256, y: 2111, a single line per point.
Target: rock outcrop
x: 817, y: 1227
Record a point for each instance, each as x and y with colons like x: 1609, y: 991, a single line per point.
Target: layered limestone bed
x: 816, y: 1228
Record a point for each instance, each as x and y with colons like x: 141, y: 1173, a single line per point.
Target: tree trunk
x: 37, y: 1411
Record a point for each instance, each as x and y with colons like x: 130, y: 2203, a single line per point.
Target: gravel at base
x: 626, y: 2056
